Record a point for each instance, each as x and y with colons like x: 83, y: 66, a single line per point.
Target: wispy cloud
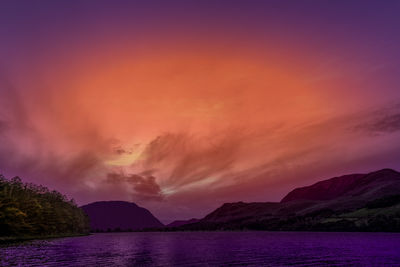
x: 185, y: 159
x: 388, y: 122
x: 59, y: 143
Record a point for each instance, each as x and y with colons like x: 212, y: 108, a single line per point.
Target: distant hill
x: 356, y: 202
x: 119, y: 216
x: 371, y: 185
x: 178, y: 223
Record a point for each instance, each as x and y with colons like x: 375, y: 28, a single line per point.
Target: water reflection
x: 209, y: 249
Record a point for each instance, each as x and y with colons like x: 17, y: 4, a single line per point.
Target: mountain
x: 178, y: 223
x: 369, y: 185
x: 119, y: 216
x: 356, y: 202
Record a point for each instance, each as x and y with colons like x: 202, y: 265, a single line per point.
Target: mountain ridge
x: 119, y: 216
x: 334, y: 187
x: 343, y: 203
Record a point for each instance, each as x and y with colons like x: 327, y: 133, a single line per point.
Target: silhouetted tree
x: 29, y: 209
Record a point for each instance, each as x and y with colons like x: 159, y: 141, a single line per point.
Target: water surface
x: 209, y: 249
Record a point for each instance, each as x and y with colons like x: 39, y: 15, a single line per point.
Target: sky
x: 181, y: 106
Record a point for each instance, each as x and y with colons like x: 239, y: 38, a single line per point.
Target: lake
x: 209, y: 249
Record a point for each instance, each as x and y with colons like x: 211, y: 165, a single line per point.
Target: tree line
x: 28, y: 209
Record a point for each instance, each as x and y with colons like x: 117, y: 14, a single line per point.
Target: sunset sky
x: 181, y: 106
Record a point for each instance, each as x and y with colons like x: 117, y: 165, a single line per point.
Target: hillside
x: 28, y: 210
x: 178, y: 223
x: 119, y: 216
x: 371, y: 185
x: 357, y: 202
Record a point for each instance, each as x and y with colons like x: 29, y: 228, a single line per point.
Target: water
x: 209, y: 249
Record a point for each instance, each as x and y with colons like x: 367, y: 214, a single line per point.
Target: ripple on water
x: 209, y: 249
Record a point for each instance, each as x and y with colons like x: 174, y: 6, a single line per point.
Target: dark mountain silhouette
x: 119, y: 216
x: 178, y: 223
x: 369, y: 185
x: 356, y: 202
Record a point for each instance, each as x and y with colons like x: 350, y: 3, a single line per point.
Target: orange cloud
x: 169, y: 124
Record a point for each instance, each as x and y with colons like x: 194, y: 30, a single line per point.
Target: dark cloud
x: 381, y: 124
x: 145, y: 187
x: 390, y: 123
x: 120, y: 151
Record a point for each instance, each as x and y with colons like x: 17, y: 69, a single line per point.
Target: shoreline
x: 16, y: 239
x: 247, y: 230
x: 13, y: 240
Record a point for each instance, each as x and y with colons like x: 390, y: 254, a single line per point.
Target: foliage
x: 33, y: 210
x: 384, y: 202
x: 378, y: 219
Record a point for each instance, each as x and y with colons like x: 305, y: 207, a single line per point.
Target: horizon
x: 165, y: 222
x: 180, y: 107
